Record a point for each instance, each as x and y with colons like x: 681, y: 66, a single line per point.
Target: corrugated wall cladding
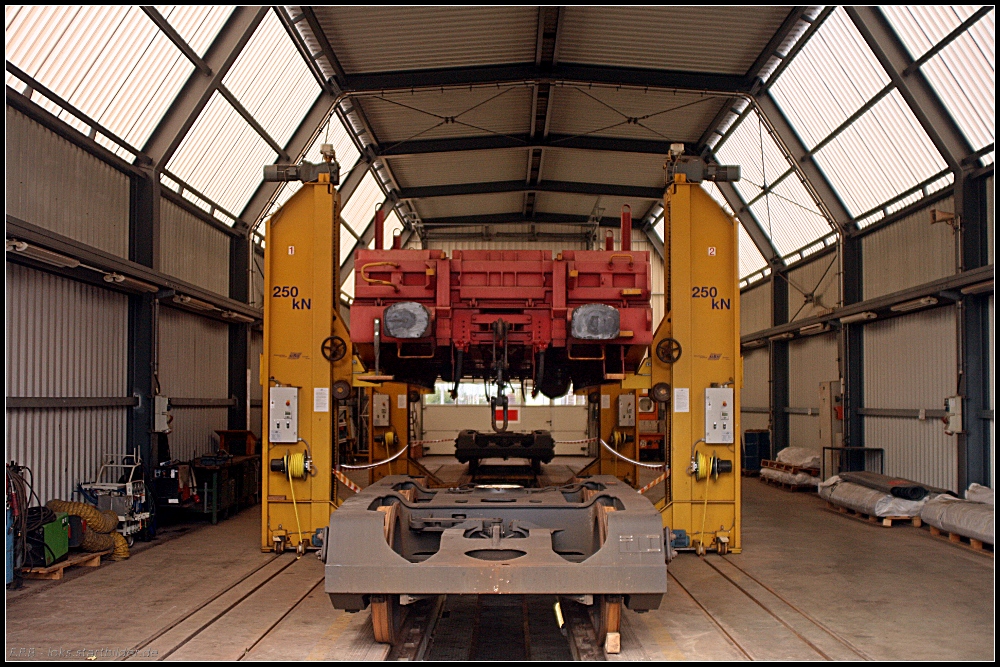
x: 256, y: 389
x: 193, y: 363
x: 64, y: 339
x: 55, y: 185
x: 992, y: 381
x: 818, y: 280
x: 910, y: 363
x: 755, y: 308
x: 917, y: 450
x: 811, y: 360
x: 908, y: 252
x: 192, y: 250
x: 990, y: 217
x: 756, y: 379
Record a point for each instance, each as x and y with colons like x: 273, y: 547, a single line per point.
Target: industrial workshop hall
x: 500, y: 333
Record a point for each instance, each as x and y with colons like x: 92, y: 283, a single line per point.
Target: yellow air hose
x: 295, y: 464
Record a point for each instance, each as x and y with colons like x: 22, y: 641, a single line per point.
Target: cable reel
x: 296, y: 465
x: 704, y: 466
x: 617, y: 439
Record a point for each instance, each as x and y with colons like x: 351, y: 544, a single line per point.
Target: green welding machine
x: 49, y: 542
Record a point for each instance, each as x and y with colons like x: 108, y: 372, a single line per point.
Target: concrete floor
x: 881, y: 593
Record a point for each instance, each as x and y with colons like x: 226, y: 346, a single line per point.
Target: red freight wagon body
x: 581, y: 316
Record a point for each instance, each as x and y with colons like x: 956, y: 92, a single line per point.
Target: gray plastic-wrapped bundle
x: 963, y: 517
x: 798, y: 456
x: 867, y: 501
x: 978, y: 493
x: 797, y: 479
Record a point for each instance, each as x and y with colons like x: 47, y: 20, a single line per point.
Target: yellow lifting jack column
x: 306, y: 362
x: 697, y: 368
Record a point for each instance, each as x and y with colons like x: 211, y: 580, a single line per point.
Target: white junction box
x: 380, y: 407
x: 161, y: 416
x: 283, y: 418
x: 719, y: 421
x: 626, y: 409
x: 953, y: 415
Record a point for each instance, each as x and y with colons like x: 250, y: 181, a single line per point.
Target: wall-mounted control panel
x: 719, y: 422
x: 283, y: 420
x: 626, y: 409
x: 380, y: 408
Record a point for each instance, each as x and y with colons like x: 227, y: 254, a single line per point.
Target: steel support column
x: 239, y: 334
x: 851, y: 343
x: 144, y: 232
x: 974, y: 451
x: 778, y: 359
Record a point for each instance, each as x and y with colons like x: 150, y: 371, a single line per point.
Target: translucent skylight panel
x: 832, y: 77
x: 751, y: 147
x: 197, y: 25
x: 222, y: 156
x: 346, y: 244
x: 112, y: 63
x: 884, y: 153
x: 920, y: 27
x: 392, y: 225
x: 789, y: 217
x: 713, y: 190
x: 336, y: 134
x: 751, y: 260
x: 272, y: 81
x: 360, y: 208
x: 964, y: 76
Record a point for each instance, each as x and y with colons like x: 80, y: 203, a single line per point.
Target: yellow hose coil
x: 121, y: 551
x: 97, y: 520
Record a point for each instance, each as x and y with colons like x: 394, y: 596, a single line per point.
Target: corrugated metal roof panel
x: 421, y: 114
x: 606, y: 111
x: 460, y: 167
x: 221, y: 156
x: 885, y: 152
x: 272, y: 81
x: 580, y: 166
x: 443, y: 207
x: 671, y: 38
x: 833, y: 76
x: 601, y: 206
x: 379, y: 39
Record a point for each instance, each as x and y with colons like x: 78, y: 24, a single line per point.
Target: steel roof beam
x: 178, y: 41
x: 568, y: 73
x: 494, y: 187
x: 517, y: 217
x: 829, y: 201
x: 196, y: 93
x: 526, y: 141
x: 753, y: 227
x: 918, y: 93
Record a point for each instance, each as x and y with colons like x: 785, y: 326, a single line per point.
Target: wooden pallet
x: 961, y: 540
x: 886, y: 521
x: 785, y: 467
x: 55, y: 571
x: 789, y: 487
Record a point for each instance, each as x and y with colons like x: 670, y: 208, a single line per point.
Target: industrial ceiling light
x: 760, y: 342
x: 236, y: 317
x: 132, y: 283
x: 813, y: 329
x: 913, y: 305
x: 782, y: 336
x: 978, y: 288
x: 197, y: 304
x: 41, y: 254
x: 858, y: 317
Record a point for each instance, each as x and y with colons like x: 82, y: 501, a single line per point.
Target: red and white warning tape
x: 575, y: 442
x: 431, y: 442
x: 654, y: 482
x: 346, y: 481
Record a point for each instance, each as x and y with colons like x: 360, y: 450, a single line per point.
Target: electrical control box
x: 380, y: 407
x: 626, y: 410
x: 953, y: 415
x: 283, y: 420
x: 719, y: 422
x: 161, y: 418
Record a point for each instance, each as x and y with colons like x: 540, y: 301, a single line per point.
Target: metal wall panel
x: 990, y: 218
x: 566, y: 422
x: 910, y: 363
x: 64, y: 339
x: 818, y: 279
x: 256, y: 388
x: 192, y: 250
x: 756, y: 379
x: 908, y: 252
x: 55, y: 185
x: 755, y: 308
x: 992, y: 381
x: 193, y: 360
x: 811, y: 360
